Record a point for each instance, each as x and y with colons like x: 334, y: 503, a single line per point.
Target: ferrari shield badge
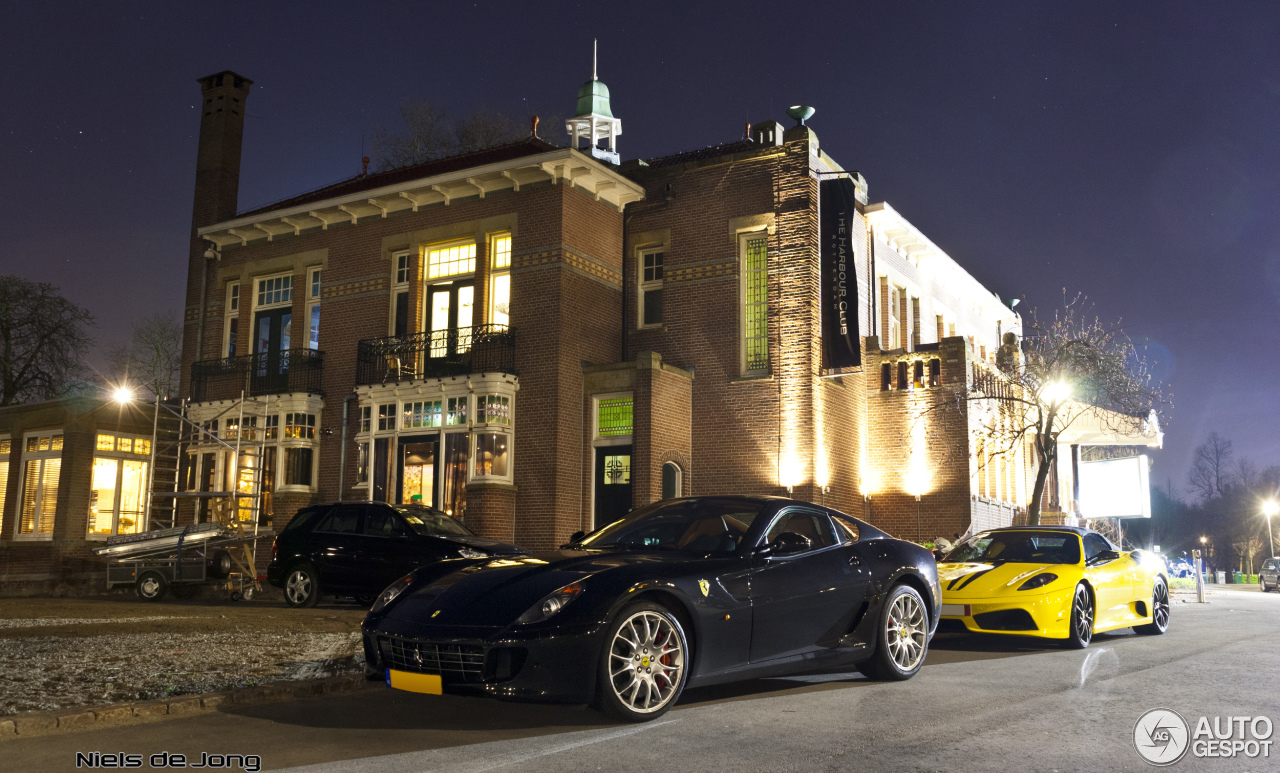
x: 705, y: 586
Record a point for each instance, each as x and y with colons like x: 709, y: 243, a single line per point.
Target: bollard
x: 1195, y: 554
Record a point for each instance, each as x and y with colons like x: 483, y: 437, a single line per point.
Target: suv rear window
x: 343, y: 520
x: 300, y: 519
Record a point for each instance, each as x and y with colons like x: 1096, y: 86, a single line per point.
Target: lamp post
x: 1270, y: 508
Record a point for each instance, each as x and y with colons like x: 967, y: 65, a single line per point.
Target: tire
x: 1159, y: 611
x: 643, y: 638
x: 151, y: 586
x: 1263, y: 583
x: 301, y: 587
x: 1082, y: 619
x: 219, y: 564
x: 902, y: 637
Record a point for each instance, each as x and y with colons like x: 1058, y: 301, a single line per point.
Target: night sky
x: 1131, y: 153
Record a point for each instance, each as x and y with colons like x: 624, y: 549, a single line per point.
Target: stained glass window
x: 614, y: 416
x: 755, y: 275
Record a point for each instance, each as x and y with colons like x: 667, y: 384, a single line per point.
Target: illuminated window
x: 366, y: 418
x: 457, y: 411
x: 6, y: 449
x: 755, y: 284
x: 451, y: 261
x: 271, y: 426
x: 500, y: 281
x: 614, y: 416
x: 894, y: 332
x: 300, y: 426
x: 917, y: 381
x: 117, y: 493
x: 617, y: 469
x: 492, y: 454
x: 313, y: 310
x: 386, y: 417
x: 42, y: 470
x: 672, y: 480
x: 651, y: 264
x: 275, y: 291
x: 495, y: 409
x: 426, y: 413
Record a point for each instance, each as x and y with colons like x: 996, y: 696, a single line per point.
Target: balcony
x: 292, y: 370
x: 437, y: 354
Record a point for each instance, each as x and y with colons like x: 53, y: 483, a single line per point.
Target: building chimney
x: 222, y: 99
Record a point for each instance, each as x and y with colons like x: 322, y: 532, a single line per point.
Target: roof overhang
x: 1100, y: 427
x: 563, y: 165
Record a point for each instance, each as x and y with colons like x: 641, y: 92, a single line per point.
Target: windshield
x: 432, y: 523
x: 1029, y: 547
x: 694, y: 525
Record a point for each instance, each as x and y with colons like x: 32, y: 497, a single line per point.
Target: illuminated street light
x: 122, y: 394
x: 1056, y: 392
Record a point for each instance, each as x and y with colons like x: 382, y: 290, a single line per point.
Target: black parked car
x: 358, y: 548
x: 684, y: 592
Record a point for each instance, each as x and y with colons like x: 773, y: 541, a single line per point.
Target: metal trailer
x: 198, y: 554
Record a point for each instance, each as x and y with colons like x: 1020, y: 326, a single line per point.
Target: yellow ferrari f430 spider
x: 1057, y: 582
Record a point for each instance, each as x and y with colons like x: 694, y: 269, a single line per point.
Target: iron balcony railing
x: 291, y: 370
x: 437, y: 353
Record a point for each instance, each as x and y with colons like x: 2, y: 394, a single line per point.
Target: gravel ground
x: 59, y: 653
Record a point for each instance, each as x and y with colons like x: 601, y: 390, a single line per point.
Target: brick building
x: 538, y: 337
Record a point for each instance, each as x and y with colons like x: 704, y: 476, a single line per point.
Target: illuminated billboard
x: 1115, y: 488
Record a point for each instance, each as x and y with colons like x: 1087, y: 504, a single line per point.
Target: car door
x: 389, y: 551
x: 804, y: 601
x: 1111, y: 580
x: 335, y: 549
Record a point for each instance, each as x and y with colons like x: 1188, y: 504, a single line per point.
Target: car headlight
x: 469, y: 553
x: 551, y: 605
x: 392, y: 591
x: 1039, y: 581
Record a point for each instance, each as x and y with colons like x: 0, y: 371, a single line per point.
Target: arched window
x: 672, y: 481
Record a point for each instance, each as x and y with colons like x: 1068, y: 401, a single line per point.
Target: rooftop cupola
x: 593, y: 120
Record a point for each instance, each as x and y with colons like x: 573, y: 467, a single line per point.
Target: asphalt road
x: 979, y: 704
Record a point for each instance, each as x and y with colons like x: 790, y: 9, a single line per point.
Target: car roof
x: 1073, y: 529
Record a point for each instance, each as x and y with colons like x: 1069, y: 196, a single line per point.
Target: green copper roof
x: 593, y: 97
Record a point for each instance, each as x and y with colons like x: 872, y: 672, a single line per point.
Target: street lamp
x: 1056, y: 392
x: 1270, y: 508
x: 122, y: 394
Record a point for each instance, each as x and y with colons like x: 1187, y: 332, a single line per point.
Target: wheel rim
x: 646, y: 662
x: 298, y: 589
x: 1160, y: 607
x: 1084, y: 616
x: 150, y: 586
x: 906, y: 632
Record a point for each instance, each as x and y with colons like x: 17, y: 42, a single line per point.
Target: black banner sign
x: 839, y: 278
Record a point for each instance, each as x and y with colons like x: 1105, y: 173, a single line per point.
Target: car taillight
x: 275, y: 546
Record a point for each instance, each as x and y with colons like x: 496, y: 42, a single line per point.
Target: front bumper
x: 1047, y: 615
x: 553, y: 666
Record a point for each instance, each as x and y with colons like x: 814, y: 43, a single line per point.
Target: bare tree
x: 153, y: 355
x: 427, y: 133
x: 1073, y: 367
x: 43, y: 340
x: 1210, y: 474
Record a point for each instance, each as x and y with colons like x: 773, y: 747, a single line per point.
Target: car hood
x: 482, y: 543
x: 494, y: 592
x: 976, y: 580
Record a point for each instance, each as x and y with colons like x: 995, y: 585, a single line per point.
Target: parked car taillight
x: 275, y: 546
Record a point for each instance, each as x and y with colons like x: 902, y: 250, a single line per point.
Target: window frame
x: 259, y: 293
x: 38, y: 501
x: 745, y: 273
x: 314, y: 292
x: 231, y: 320
x: 431, y: 249
x: 122, y: 456
x: 497, y: 273
x: 644, y: 285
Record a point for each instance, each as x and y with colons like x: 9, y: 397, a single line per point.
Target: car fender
x: 662, y: 589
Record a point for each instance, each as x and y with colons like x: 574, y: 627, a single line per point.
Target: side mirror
x: 577, y: 535
x: 1105, y: 556
x: 789, y: 543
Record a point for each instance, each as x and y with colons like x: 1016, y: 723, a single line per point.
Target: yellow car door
x: 1109, y: 572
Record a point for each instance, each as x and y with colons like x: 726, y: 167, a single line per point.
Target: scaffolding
x: 223, y: 521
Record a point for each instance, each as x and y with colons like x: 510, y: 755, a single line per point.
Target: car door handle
x: 854, y: 561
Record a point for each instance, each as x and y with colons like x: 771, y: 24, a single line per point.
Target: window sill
x: 661, y: 327
x: 33, y: 538
x: 751, y: 377
x: 498, y: 484
x: 295, y: 489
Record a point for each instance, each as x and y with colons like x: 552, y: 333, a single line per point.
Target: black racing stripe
x: 952, y: 584
x: 972, y: 577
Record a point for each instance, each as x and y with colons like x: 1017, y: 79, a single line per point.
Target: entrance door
x: 613, y: 483
x: 271, y: 341
x: 417, y: 480
x: 382, y: 476
x: 450, y: 307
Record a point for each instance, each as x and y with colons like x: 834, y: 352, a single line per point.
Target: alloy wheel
x: 646, y: 662
x: 1160, y: 606
x: 298, y: 587
x: 906, y: 632
x: 149, y: 587
x: 1083, y: 616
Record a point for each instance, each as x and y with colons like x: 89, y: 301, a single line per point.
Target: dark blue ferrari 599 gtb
x: 684, y: 592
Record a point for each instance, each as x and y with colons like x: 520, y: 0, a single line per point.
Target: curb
x: 79, y: 718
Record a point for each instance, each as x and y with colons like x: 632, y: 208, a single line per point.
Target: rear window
x: 343, y: 520
x: 302, y: 518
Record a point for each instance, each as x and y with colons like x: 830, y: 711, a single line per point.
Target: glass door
x: 613, y: 483
x: 270, y: 344
x: 417, y: 482
x: 450, y: 310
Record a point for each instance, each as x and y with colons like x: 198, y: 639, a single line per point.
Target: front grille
x: 1006, y: 620
x: 451, y: 662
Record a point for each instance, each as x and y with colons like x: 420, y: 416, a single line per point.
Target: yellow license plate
x: 428, y: 684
